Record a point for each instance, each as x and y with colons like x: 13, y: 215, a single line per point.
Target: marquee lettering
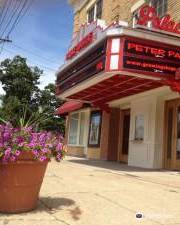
x: 151, y: 57
x: 81, y: 45
x: 149, y: 14
x: 153, y: 51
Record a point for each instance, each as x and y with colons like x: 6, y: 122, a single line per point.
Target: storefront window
x: 95, y: 129
x: 76, y: 128
x: 139, y: 128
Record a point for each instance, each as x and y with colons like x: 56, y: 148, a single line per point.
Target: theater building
x: 121, y: 82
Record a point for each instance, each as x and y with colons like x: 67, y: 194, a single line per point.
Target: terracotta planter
x: 26, y: 156
x: 20, y: 184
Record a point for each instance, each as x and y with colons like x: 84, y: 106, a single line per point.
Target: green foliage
x: 23, y: 100
x: 49, y: 103
x: 34, y: 120
x: 18, y: 79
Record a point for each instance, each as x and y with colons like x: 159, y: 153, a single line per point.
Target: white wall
x: 160, y: 126
x: 149, y: 152
x: 141, y: 153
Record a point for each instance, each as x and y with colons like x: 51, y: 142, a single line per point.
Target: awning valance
x: 68, y: 107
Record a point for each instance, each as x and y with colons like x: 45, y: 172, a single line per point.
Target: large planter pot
x: 20, y: 184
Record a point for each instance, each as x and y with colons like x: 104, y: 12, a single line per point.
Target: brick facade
x: 174, y: 9
x: 112, y: 125
x: 120, y: 10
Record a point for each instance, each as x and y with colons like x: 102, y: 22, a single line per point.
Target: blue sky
x: 46, y: 30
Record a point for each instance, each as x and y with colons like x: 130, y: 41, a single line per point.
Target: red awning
x: 68, y: 107
x: 116, y: 87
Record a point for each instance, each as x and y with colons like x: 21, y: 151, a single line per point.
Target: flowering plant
x: 42, y: 145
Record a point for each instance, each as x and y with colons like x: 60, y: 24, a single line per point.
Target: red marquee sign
x: 84, y: 37
x: 151, y: 58
x: 87, y: 34
x: 81, y: 45
x: 149, y: 14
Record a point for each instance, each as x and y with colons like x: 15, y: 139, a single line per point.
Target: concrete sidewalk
x: 82, y: 192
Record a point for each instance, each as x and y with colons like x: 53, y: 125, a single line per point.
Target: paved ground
x: 83, y: 192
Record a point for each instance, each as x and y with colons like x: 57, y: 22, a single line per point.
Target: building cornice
x: 77, y: 4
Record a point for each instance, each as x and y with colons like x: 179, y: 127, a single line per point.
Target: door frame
x: 122, y: 157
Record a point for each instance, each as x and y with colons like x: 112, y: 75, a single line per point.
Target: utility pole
x: 3, y: 40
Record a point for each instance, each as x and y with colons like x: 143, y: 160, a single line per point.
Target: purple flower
x: 49, y: 135
x: 12, y: 158
x: 7, y: 152
x: 6, y: 136
x: 42, y: 158
x: 21, y: 144
x: 61, y: 137
x: 42, y: 137
x: 28, y: 129
x: 44, y: 150
x: 1, y: 145
x: 43, y: 145
x: 59, y: 147
x: 19, y: 139
x: 35, y: 152
x: 17, y: 153
x: 16, y: 129
x: 32, y: 145
x: 34, y: 137
x: 58, y: 157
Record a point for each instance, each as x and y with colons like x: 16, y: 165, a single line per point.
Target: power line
x: 12, y: 14
x: 6, y: 7
x: 35, y: 54
x: 40, y: 65
x: 23, y: 14
x: 18, y: 18
x: 3, y: 41
x: 3, y: 8
x: 16, y: 8
x: 21, y: 11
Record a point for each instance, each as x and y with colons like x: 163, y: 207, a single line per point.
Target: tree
x: 18, y: 79
x: 20, y: 83
x: 49, y: 103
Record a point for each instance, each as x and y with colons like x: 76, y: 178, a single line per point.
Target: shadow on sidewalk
x: 54, y: 204
x: 51, y: 205
x: 117, y: 166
